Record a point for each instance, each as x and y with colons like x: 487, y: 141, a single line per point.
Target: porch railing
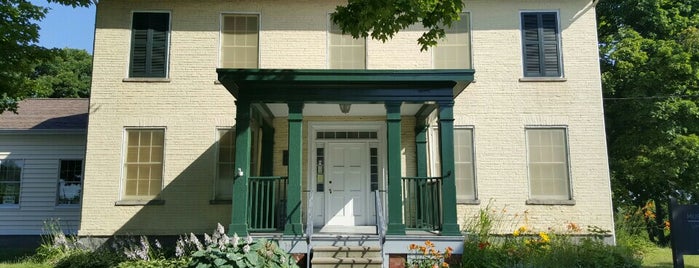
x: 267, y: 203
x: 423, y: 203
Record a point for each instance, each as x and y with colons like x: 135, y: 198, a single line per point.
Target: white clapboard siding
x: 41, y: 154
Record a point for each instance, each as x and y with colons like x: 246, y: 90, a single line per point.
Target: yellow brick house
x: 262, y: 116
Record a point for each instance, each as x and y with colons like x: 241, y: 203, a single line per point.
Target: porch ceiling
x: 349, y: 86
x: 325, y: 109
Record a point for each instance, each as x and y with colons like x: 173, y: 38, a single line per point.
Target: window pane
x: 454, y: 51
x: 548, y: 164
x: 239, y: 41
x: 345, y: 52
x: 540, y: 44
x: 144, y: 163
x: 10, y: 178
x: 70, y: 182
x: 225, y: 165
x: 463, y: 163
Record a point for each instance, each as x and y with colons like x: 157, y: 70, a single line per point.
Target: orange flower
x: 413, y: 246
x: 444, y: 264
x: 429, y: 243
x: 423, y: 250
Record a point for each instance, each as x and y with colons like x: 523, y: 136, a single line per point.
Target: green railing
x: 267, y: 203
x: 423, y: 203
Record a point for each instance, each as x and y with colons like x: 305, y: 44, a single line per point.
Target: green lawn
x: 662, y: 257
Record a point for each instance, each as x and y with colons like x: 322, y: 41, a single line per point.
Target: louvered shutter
x: 540, y: 45
x: 149, y: 44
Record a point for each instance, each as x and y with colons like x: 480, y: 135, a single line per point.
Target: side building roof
x: 47, y: 114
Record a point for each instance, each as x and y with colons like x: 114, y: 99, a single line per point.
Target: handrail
x: 380, y: 218
x: 309, y: 229
x: 423, y: 203
x: 267, y: 194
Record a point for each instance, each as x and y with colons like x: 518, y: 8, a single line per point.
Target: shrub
x: 88, y: 259
x: 221, y: 251
x: 427, y: 256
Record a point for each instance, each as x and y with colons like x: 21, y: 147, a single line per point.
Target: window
x: 225, y: 164
x: 454, y: 51
x: 548, y: 164
x: 149, y: 44
x: 143, y: 165
x: 463, y: 161
x: 346, y: 52
x: 10, y: 177
x: 70, y: 182
x: 239, y: 41
x: 541, y: 44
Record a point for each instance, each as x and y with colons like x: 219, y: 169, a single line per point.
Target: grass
x: 662, y: 258
x: 18, y: 258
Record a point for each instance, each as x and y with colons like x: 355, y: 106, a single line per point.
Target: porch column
x: 293, y: 191
x: 421, y: 150
x: 239, y: 208
x: 395, y: 191
x: 267, y: 162
x: 446, y: 139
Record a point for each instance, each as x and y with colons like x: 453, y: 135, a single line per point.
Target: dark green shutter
x: 149, y: 44
x: 541, y: 54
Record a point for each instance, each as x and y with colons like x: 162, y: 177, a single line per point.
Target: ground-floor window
x: 10, y: 178
x: 548, y: 164
x: 464, y: 164
x: 70, y: 182
x: 143, y: 163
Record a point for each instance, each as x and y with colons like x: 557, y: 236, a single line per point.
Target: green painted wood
x: 274, y: 85
x: 395, y: 196
x: 240, y: 209
x: 267, y: 165
x: 446, y: 139
x: 421, y: 150
x: 293, y: 206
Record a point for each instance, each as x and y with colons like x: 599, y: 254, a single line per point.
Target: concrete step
x: 347, y: 251
x: 327, y: 262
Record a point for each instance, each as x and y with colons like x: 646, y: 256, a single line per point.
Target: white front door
x: 346, y: 184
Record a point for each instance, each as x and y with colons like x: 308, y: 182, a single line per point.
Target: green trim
x: 267, y: 165
x: 395, y: 191
x: 239, y: 208
x: 280, y: 86
x: 446, y: 139
x: 293, y: 205
x: 421, y: 150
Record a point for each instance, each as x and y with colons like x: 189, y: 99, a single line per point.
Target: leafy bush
x: 221, y: 251
x: 427, y: 256
x: 88, y: 259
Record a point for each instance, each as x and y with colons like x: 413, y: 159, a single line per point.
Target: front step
x: 346, y: 256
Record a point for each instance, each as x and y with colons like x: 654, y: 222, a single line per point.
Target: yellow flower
x: 544, y: 237
x: 516, y: 232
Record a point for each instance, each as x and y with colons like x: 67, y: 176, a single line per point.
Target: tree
x: 18, y: 35
x: 649, y: 54
x: 66, y: 74
x: 381, y: 19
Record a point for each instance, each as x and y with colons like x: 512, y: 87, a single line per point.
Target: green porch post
x: 239, y: 208
x: 446, y: 139
x: 421, y: 150
x: 293, y: 191
x: 267, y: 165
x: 395, y: 195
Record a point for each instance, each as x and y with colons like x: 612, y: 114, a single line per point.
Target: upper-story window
x: 10, y: 178
x: 541, y: 44
x: 239, y: 41
x: 454, y: 51
x: 345, y: 52
x: 149, y: 44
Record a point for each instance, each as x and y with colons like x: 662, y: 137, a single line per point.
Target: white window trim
x: 540, y: 201
x: 433, y: 131
x: 220, y: 34
x: 82, y: 182
x: 217, y: 138
x: 560, y: 78
x: 328, y: 27
x: 122, y: 180
x: 127, y: 77
x: 470, y: 40
x: 21, y: 182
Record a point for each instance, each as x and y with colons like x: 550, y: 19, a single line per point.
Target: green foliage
x: 88, y: 259
x: 19, y: 52
x: 157, y: 263
x: 66, y: 74
x: 382, y: 19
x: 649, y: 52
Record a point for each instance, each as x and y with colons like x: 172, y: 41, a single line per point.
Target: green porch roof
x: 370, y: 86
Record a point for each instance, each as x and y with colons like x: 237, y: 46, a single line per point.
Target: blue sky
x: 65, y: 26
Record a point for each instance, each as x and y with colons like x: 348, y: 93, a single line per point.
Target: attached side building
x: 42, y: 151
